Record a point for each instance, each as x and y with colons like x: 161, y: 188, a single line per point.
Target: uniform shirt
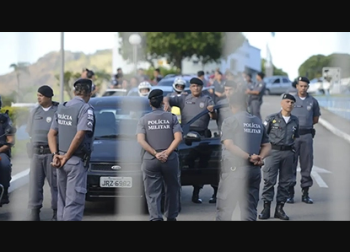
x: 280, y: 132
x: 247, y: 132
x: 219, y: 87
x: 306, y: 110
x: 85, y: 120
x: 223, y: 112
x: 259, y: 86
x: 191, y: 106
x: 159, y: 128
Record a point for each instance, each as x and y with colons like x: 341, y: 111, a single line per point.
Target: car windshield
x: 118, y: 122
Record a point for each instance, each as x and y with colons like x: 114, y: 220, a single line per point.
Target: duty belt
x: 281, y: 147
x: 42, y: 149
x: 305, y: 131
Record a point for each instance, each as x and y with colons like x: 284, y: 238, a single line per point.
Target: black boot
x: 279, y: 213
x: 35, y: 215
x: 305, y: 197
x: 54, y: 216
x: 265, y: 213
x: 213, y: 197
x: 195, y: 195
x: 5, y: 197
x: 290, y: 200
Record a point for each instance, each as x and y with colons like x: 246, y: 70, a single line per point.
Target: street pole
x: 135, y: 58
x: 62, y: 68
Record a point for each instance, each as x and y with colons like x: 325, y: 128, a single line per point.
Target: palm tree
x: 18, y: 68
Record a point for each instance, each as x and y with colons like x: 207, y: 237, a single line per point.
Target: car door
x: 286, y: 84
x: 200, y: 156
x: 276, y: 86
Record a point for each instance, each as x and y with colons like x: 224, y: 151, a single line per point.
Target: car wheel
x: 322, y: 91
x: 267, y: 92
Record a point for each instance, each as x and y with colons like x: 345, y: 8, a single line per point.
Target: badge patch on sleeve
x: 90, y: 112
x: 89, y: 124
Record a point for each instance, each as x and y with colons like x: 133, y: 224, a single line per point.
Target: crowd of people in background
x: 215, y: 77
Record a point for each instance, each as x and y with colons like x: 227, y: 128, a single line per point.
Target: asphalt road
x: 330, y: 191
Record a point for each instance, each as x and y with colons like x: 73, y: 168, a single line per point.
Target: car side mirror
x: 191, y: 137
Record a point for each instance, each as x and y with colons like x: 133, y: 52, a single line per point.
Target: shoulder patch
x: 90, y: 112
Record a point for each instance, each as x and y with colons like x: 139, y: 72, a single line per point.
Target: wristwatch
x: 249, y: 157
x: 55, y: 153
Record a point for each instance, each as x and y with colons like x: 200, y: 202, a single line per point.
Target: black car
x: 115, y: 165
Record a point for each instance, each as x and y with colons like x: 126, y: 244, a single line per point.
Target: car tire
x: 267, y: 92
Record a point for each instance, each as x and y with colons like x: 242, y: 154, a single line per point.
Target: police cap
x: 196, y: 81
x: 155, y: 93
x: 46, y: 91
x: 230, y: 83
x: 288, y: 96
x: 304, y: 79
x: 83, y: 81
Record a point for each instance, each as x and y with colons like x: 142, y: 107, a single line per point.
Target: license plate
x: 116, y: 182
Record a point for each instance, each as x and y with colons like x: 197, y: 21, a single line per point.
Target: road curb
x: 334, y: 130
x: 18, y: 180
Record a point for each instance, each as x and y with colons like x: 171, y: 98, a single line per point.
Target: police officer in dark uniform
x: 74, y: 124
x: 256, y: 92
x: 307, y: 109
x: 38, y: 126
x: 282, y: 129
x: 7, y: 139
x: 245, y: 145
x: 159, y: 134
x: 190, y: 105
x: 224, y: 112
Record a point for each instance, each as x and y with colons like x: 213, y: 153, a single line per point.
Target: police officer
x: 190, y: 105
x: 160, y: 163
x: 224, y: 112
x: 256, y: 92
x: 282, y: 128
x: 7, y: 132
x: 39, y: 123
x: 307, y: 109
x: 245, y: 145
x: 74, y: 124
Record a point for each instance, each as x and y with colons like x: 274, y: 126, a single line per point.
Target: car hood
x: 112, y: 150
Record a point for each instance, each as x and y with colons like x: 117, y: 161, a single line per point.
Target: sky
x: 288, y: 49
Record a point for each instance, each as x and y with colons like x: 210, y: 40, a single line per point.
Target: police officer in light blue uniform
x: 7, y: 132
x: 256, y: 92
x: 74, y: 124
x: 307, y: 109
x: 224, y: 112
x: 190, y: 105
x: 159, y: 134
x: 245, y: 145
x: 38, y: 126
x: 282, y: 129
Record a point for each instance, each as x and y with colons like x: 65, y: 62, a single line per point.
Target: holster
x: 86, y: 159
x: 313, y: 133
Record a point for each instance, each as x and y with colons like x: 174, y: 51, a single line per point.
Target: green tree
x: 276, y: 71
x: 312, y: 67
x: 176, y: 46
x: 18, y: 68
x: 69, y: 77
